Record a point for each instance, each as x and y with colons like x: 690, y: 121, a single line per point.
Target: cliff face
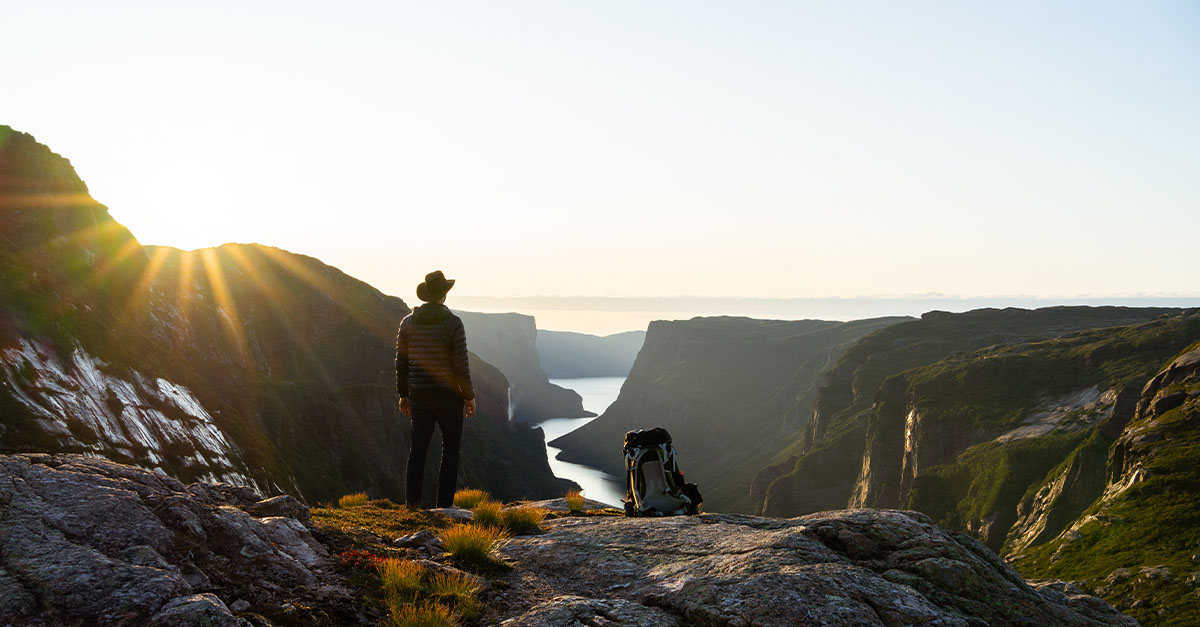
x: 508, y: 342
x: 1018, y: 412
x: 574, y: 355
x: 733, y: 392
x: 1121, y: 516
x: 859, y: 447
x: 245, y: 364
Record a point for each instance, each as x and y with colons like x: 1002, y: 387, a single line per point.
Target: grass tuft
x: 353, y: 500
x: 523, y: 520
x: 458, y: 592
x: 487, y: 513
x: 468, y: 498
x: 472, y: 545
x: 401, y: 580
x: 430, y: 615
x: 574, y: 500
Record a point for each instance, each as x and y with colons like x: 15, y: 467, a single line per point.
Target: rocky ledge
x: 852, y: 567
x: 86, y: 541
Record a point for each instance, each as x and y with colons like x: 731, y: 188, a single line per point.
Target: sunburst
x: 229, y: 318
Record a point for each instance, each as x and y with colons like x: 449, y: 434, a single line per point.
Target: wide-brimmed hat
x: 435, y: 286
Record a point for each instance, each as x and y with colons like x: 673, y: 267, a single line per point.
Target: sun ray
x: 139, y: 297
x: 380, y: 328
x: 37, y: 200
x: 275, y: 300
x: 116, y: 260
x: 184, y: 296
x: 226, y: 307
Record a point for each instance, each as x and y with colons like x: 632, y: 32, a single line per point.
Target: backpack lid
x: 647, y: 437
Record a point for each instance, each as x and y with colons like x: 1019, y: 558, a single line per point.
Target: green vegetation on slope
x: 1137, y: 546
x: 846, y: 422
x: 987, y: 481
x: 984, y: 394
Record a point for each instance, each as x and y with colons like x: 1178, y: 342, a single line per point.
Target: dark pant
x: 444, y: 409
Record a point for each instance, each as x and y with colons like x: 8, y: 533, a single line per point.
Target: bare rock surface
x: 560, y: 505
x: 849, y: 567
x: 87, y: 541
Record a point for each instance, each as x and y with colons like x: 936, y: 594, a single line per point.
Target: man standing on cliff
x: 434, y: 383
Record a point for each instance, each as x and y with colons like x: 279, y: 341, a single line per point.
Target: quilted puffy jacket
x: 431, y: 353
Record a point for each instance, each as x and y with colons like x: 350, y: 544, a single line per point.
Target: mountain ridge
x: 568, y: 355
x: 288, y: 358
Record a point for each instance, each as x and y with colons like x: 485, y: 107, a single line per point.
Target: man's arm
x: 459, y: 361
x: 402, y: 366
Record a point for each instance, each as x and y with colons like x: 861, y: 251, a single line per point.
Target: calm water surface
x: 598, y: 393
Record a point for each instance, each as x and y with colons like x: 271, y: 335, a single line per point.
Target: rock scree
x: 848, y: 567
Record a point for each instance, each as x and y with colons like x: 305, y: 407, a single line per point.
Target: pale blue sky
x: 776, y: 149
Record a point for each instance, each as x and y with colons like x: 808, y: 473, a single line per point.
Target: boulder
x: 282, y: 505
x: 198, y: 610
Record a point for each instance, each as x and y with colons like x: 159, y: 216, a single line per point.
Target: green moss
x: 987, y: 481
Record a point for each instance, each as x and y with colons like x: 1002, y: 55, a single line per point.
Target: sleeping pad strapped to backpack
x: 653, y: 478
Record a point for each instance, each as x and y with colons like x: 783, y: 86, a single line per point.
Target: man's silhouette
x: 434, y: 383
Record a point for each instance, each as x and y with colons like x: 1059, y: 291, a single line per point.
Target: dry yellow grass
x: 458, y: 592
x: 574, y: 500
x: 487, y: 513
x: 401, y: 579
x: 522, y: 520
x: 473, y: 544
x: 429, y: 615
x: 353, y: 500
x: 468, y: 498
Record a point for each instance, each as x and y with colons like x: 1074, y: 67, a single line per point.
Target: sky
x: 768, y: 150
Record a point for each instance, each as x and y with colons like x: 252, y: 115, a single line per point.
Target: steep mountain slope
x: 1135, y: 543
x: 507, y: 342
x: 732, y: 392
x: 1027, y: 444
x: 567, y: 355
x: 243, y: 363
x: 865, y: 393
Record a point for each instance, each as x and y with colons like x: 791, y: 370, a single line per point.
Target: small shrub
x: 457, y: 592
x: 487, y: 513
x: 401, y: 579
x: 522, y: 520
x: 574, y: 500
x: 431, y: 615
x: 353, y: 500
x: 358, y: 559
x: 468, y: 498
x: 473, y: 544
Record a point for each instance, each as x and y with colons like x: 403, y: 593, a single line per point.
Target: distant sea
x: 598, y: 393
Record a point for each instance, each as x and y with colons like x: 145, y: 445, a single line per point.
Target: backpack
x: 653, y: 479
